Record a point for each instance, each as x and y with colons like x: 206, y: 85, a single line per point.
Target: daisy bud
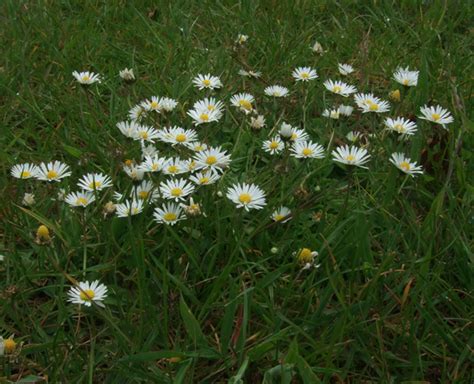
x: 257, y: 122
x: 8, y: 345
x: 219, y: 194
x: 395, y: 95
x: 193, y: 209
x: 127, y: 74
x: 109, y: 208
x: 306, y: 257
x: 28, y: 199
x: 42, y: 235
x: 274, y: 250
x: 286, y: 130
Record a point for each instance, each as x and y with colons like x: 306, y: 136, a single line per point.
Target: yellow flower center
x: 373, y: 107
x: 204, y: 117
x: 172, y: 169
x: 405, y: 166
x: 52, y: 174
x: 87, y: 295
x: 277, y: 94
x: 350, y: 158
x: 176, y: 192
x: 436, y: 116
x: 198, y: 148
x: 95, y: 184
x: 204, y: 180
x: 279, y: 217
x: 135, y: 211
x: 405, y: 82
x: 9, y: 345
x: 294, y: 136
x: 304, y: 75
x: 143, y: 195
x: 399, y: 128
x: 81, y: 201
x: 169, y: 216
x: 211, y: 160
x: 211, y: 107
x: 307, y: 151
x: 128, y: 162
x: 181, y: 137
x: 273, y: 145
x: 305, y: 256
x: 245, y: 104
x: 25, y: 174
x: 206, y: 82
x: 336, y: 89
x: 85, y: 78
x: 144, y: 135
x: 245, y: 198
x: 154, y: 167
x: 154, y: 105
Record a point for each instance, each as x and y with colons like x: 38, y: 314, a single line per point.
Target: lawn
x: 366, y: 278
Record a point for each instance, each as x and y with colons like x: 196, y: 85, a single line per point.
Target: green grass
x: 206, y: 301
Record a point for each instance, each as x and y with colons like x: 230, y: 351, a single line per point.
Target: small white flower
x: 375, y: 105
x: 197, y: 146
x: 177, y: 135
x: 405, y: 165
x: 317, y: 48
x: 351, y: 156
x: 152, y: 104
x: 345, y: 110
x: 174, y: 166
x: 401, y: 126
x: 148, y: 150
x: 129, y: 208
x: 128, y: 128
x: 28, y: 199
x: 24, y: 171
x: 145, y: 191
x: 339, y: 88
x: 134, y: 171
x: 276, y: 91
x: 169, y: 213
x: 80, y: 199
x: 243, y: 101
x: 137, y: 113
x: 307, y: 149
x: 248, y: 196
x: 176, y: 189
x: 298, y: 135
x: 207, y: 82
x: 436, y: 115
x: 168, y: 104
x: 86, y: 77
x: 148, y: 134
x: 286, y: 130
x: 204, y: 116
x: 213, y: 158
x: 257, y: 122
x: 205, y: 178
x: 406, y: 77
x: 255, y: 74
x: 281, y: 215
x: 241, y: 39
x: 353, y: 136
x: 273, y: 146
x: 87, y: 293
x: 52, y: 171
x: 304, y: 74
x: 345, y: 69
x: 94, y: 182
x: 332, y: 113
x: 127, y: 74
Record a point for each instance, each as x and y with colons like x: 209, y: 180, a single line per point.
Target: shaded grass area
x: 392, y: 300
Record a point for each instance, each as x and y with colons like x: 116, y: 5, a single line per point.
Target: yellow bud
x: 43, y: 233
x: 305, y: 256
x: 128, y: 162
x: 9, y: 345
x: 395, y: 95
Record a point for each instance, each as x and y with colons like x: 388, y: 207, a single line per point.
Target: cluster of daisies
x: 170, y: 181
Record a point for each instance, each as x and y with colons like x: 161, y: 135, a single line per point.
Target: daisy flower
x: 406, y: 77
x: 129, y: 208
x: 400, y: 125
x: 88, y: 292
x: 86, y: 77
x: 52, y: 171
x: 241, y: 39
x: 94, y: 182
x: 405, y: 165
x: 209, y: 104
x: 197, y: 146
x: 168, y: 104
x: 353, y: 136
x: 307, y: 149
x: 339, y: 88
x: 152, y: 164
x: 152, y: 104
x: 375, y: 105
x: 147, y: 134
x: 136, y: 113
x: 306, y: 258
x: 257, y: 122
x: 255, y: 74
x: 281, y: 215
x: 243, y: 101
x: 24, y: 171
x: 205, y: 178
x: 304, y: 74
x: 145, y: 191
x: 351, y: 156
x: 7, y: 346
x: 201, y: 116
x: 169, y: 213
x: 332, y: 113
x: 176, y: 189
x: 345, y: 110
x: 273, y: 146
x: 436, y: 115
x: 276, y: 91
x: 248, y: 196
x: 177, y: 135
x: 174, y: 166
x: 207, y: 82
x: 80, y: 199
x: 298, y: 135
x: 190, y: 165
x: 364, y: 99
x: 128, y: 128
x: 28, y: 199
x: 134, y: 171
x: 286, y: 130
x: 148, y: 150
x: 213, y: 158
x: 127, y: 74
x: 345, y: 69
